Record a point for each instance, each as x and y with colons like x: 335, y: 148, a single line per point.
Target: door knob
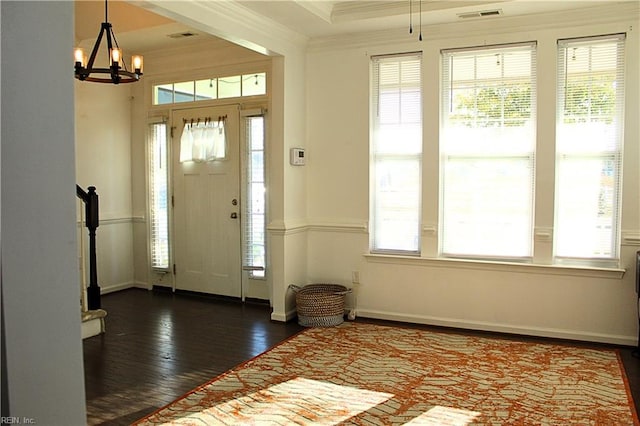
x: 234, y: 215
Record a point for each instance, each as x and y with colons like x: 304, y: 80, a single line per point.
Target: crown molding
x: 358, y: 10
x: 622, y: 12
x: 354, y: 11
x: 231, y: 21
x: 322, y: 10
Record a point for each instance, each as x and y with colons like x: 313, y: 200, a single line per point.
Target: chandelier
x: 117, y: 71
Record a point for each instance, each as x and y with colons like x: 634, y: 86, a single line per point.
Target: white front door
x: 207, y: 209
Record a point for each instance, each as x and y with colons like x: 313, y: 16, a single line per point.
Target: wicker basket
x: 320, y: 305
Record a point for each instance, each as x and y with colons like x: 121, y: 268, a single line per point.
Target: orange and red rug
x: 364, y: 374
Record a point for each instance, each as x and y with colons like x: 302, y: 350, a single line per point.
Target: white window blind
x: 589, y: 147
x: 396, y: 144
x: 254, y: 217
x: 158, y: 195
x: 487, y: 143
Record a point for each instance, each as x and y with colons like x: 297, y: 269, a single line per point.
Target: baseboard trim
x: 123, y: 286
x: 501, y: 328
x: 284, y: 317
x: 141, y: 284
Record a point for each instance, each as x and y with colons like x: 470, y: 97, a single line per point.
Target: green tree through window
x: 493, y: 106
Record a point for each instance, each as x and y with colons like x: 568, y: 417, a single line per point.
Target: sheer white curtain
x: 203, y: 141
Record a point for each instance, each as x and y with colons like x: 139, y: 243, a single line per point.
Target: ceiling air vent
x: 182, y: 35
x: 480, y: 14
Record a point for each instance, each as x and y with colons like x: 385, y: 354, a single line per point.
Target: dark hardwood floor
x: 159, y: 345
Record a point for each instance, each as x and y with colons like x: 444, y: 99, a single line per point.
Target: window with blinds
x: 158, y: 196
x: 590, y: 97
x: 487, y: 143
x: 254, y: 217
x: 396, y: 145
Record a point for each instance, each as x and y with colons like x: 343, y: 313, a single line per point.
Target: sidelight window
x: 254, y: 217
x: 158, y: 195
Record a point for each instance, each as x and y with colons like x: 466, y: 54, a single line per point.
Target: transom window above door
x: 235, y: 86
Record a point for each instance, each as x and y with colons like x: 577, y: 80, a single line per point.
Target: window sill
x: 483, y: 265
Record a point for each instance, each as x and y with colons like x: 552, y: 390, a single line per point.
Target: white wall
x: 286, y: 185
x: 103, y: 159
x: 40, y: 289
x: 545, y: 301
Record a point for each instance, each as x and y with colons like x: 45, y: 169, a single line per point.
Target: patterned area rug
x: 365, y: 374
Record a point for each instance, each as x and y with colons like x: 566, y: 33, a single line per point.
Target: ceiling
x: 142, y: 31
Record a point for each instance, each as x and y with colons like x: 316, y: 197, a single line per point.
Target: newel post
x: 93, y: 291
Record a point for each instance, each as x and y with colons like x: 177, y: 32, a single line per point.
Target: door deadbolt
x: 234, y: 202
x: 234, y: 215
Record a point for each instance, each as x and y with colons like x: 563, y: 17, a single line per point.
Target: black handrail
x: 92, y: 221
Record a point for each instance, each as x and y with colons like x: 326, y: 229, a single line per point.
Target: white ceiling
x: 141, y: 30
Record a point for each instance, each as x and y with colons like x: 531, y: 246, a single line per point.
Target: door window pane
x: 229, y: 87
x: 254, y: 84
x: 163, y: 94
x: 183, y: 92
x: 206, y: 89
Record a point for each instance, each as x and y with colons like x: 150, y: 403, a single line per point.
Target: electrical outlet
x: 355, y: 277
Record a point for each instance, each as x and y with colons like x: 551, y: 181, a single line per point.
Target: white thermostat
x: 297, y: 156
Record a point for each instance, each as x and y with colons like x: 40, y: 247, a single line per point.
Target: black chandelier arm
x: 104, y: 27
x: 112, y: 36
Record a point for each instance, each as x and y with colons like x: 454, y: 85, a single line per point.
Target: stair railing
x: 90, y: 199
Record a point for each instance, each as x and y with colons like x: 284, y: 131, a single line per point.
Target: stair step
x: 93, y: 314
x: 93, y: 322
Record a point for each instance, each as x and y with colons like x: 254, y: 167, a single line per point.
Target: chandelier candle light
x: 117, y: 71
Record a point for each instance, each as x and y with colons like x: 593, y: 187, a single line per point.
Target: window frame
x: 219, y: 92
x: 156, y: 266
x: 614, y: 155
x: 378, y: 156
x: 254, y: 272
x: 527, y: 156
